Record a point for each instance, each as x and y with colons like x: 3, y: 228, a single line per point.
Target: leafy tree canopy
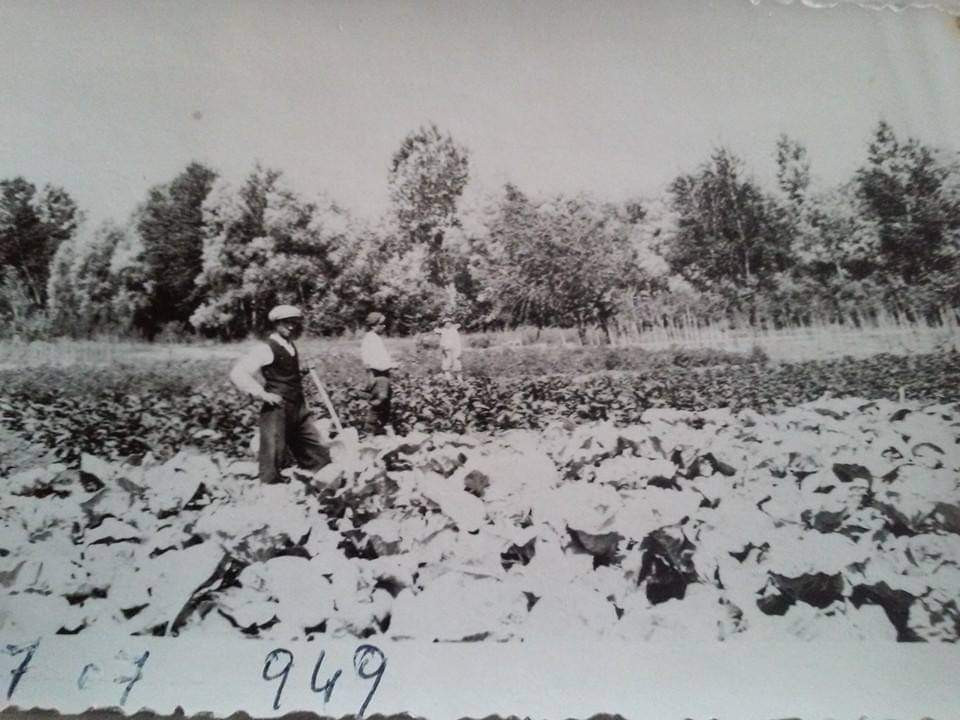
x: 427, y: 176
x: 170, y: 225
x: 32, y: 226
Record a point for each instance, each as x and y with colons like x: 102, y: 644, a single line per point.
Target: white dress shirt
x: 374, y: 353
x: 450, y: 340
x: 260, y: 355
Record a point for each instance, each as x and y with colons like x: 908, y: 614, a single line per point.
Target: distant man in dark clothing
x: 285, y: 422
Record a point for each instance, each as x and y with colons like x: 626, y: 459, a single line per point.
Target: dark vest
x: 282, y: 376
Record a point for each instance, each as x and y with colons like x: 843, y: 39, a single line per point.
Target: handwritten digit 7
x: 360, y: 658
x: 21, y: 670
x: 133, y: 679
x: 271, y: 657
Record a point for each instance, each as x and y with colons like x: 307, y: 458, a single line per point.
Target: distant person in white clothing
x: 378, y: 363
x: 451, y: 348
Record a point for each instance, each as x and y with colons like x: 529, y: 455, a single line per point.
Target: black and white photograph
x: 544, y: 359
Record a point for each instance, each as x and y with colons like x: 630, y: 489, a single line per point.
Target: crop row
x: 125, y: 410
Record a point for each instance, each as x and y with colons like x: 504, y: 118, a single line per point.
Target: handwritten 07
x: 89, y: 670
x: 369, y: 663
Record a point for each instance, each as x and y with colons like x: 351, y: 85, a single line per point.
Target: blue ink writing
x: 273, y: 656
x: 369, y: 662
x: 21, y: 670
x: 132, y: 680
x: 328, y: 686
x: 84, y: 679
x: 360, y: 660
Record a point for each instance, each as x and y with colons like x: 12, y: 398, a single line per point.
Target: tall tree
x: 412, y: 301
x: 360, y: 263
x: 508, y: 259
x: 427, y: 177
x: 835, y: 240
x: 61, y: 296
x: 94, y: 284
x: 133, y: 287
x: 263, y: 245
x: 32, y: 226
x: 793, y: 169
x: 729, y: 234
x: 83, y: 285
x: 170, y: 225
x: 569, y: 261
x: 905, y: 188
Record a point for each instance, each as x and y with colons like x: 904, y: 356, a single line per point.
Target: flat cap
x: 284, y: 312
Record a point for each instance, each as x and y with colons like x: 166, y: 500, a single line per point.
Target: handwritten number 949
x: 369, y: 662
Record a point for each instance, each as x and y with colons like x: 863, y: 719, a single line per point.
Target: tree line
x: 200, y: 256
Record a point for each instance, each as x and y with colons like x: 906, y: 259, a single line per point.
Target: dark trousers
x: 379, y: 395
x: 289, y: 427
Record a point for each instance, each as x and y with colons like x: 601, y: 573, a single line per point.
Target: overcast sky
x: 109, y: 98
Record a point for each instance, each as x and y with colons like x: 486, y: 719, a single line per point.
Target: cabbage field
x: 734, y: 502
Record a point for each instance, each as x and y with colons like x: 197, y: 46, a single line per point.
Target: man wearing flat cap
x: 285, y: 422
x: 378, y: 363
